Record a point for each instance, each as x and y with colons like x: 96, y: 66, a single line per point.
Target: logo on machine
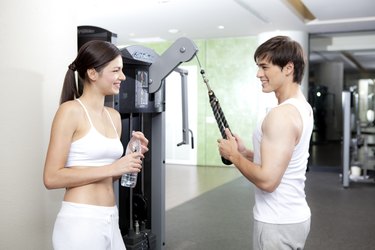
x: 142, y: 55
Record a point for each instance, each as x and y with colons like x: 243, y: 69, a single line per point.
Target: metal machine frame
x: 149, y: 117
x: 356, y: 147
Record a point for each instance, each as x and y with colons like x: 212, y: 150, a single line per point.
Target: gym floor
x: 211, y: 207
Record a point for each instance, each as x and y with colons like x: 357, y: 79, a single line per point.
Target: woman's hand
x: 130, y: 163
x: 140, y: 136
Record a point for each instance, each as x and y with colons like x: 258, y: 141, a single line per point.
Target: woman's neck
x: 95, y: 102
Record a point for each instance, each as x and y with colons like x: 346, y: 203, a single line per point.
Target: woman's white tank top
x: 94, y: 149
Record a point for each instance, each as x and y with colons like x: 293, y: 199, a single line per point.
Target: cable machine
x: 141, y: 103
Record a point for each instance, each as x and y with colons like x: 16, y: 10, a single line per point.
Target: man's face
x: 271, y: 76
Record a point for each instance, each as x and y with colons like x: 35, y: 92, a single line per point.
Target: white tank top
x: 94, y: 149
x: 287, y: 204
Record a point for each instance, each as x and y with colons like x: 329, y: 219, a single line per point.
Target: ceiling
x: 137, y: 21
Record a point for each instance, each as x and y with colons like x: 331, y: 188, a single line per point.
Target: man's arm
x: 281, y: 131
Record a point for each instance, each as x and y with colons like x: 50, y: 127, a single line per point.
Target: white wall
x: 37, y: 42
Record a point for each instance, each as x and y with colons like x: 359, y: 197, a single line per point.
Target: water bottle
x: 130, y: 179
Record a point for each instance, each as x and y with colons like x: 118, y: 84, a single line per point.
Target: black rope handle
x: 220, y: 119
x: 218, y: 113
x: 216, y: 109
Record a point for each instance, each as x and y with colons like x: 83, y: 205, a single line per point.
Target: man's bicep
x: 277, y: 145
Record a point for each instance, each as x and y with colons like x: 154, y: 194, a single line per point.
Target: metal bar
x: 185, y: 112
x: 346, y: 138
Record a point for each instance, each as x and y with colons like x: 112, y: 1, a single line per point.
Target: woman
x: 85, y: 152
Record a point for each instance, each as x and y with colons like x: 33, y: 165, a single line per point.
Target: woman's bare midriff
x: 99, y: 193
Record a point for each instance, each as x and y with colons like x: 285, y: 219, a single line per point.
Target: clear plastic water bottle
x: 130, y: 179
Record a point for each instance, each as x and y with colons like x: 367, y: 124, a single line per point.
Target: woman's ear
x: 92, y: 74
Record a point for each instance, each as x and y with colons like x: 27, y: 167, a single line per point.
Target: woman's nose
x: 122, y: 76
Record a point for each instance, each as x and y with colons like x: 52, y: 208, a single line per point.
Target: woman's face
x: 110, y: 77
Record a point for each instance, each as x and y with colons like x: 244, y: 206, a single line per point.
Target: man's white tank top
x: 287, y: 204
x: 94, y: 149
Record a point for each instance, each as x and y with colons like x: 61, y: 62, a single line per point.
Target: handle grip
x: 225, y: 161
x: 220, y: 119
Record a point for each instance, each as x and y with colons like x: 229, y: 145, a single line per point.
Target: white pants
x: 280, y: 236
x: 81, y: 227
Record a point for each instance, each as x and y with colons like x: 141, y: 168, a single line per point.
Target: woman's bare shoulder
x: 69, y: 111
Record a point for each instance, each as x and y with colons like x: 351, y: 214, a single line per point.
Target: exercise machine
x: 141, y: 103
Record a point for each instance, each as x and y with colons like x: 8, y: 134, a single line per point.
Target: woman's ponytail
x: 69, y: 90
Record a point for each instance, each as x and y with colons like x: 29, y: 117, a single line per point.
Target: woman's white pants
x: 81, y: 226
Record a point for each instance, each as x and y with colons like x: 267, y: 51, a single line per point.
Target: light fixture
x: 173, y: 31
x: 300, y: 8
x: 139, y: 3
x: 148, y: 40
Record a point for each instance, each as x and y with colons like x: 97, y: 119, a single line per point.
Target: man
x: 277, y: 166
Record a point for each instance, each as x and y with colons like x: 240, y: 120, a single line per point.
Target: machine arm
x: 182, y: 50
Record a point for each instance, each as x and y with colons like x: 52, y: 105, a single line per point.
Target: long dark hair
x: 280, y: 50
x: 92, y: 55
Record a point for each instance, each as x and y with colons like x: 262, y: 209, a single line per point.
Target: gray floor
x: 219, y: 215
